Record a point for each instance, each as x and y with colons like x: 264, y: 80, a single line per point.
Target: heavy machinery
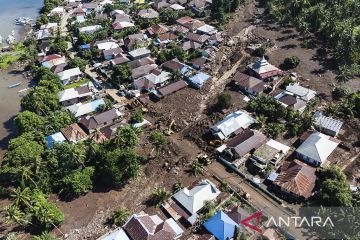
x: 169, y: 131
x: 215, y: 143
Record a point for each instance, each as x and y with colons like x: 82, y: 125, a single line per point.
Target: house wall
x: 308, y: 160
x: 70, y: 102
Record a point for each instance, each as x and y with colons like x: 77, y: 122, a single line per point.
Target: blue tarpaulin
x: 221, y: 226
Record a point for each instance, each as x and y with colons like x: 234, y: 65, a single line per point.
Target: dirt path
x: 351, y: 160
x: 64, y: 22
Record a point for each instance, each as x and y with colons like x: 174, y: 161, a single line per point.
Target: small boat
x: 14, y: 85
x: 23, y: 90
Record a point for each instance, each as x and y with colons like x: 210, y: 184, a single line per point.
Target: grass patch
x: 7, y: 59
x: 76, y: 84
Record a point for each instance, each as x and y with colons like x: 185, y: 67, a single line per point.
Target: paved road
x: 259, y: 199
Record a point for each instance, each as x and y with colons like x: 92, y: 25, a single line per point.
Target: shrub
x: 340, y: 92
x: 224, y: 101
x: 291, y: 62
x: 137, y: 117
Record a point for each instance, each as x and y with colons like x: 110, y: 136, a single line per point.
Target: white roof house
x: 66, y: 75
x: 158, y: 79
x: 89, y: 29
x: 316, y: 148
x: 304, y: 93
x: 232, y: 123
x: 263, y: 69
x: 73, y: 93
x: 117, y: 234
x: 207, y: 29
x: 107, y: 45
x: 327, y: 125
x: 194, y: 199
x: 139, y: 53
x: 81, y: 109
x: 57, y: 11
x: 176, y: 6
x: 278, y: 146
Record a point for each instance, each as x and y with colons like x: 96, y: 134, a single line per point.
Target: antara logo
x: 293, y: 221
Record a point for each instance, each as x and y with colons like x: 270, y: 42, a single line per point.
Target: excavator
x: 169, y: 131
x: 215, y: 143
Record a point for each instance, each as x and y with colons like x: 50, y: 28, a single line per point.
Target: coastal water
x: 11, y: 9
x: 9, y: 98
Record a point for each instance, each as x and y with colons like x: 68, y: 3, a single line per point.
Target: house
x: 221, y: 226
x: 196, y: 37
x: 98, y: 121
x: 89, y: 29
x: 81, y: 109
x: 165, y: 38
x: 74, y: 95
x: 133, y: 40
x: 262, y: 69
x: 296, y: 180
x: 145, y: 227
x: 169, y: 89
x: 180, y: 29
x: 49, y: 26
x: 143, y: 83
x: 78, y: 12
x: 238, y: 214
x: 120, y: 25
x: 215, y: 39
x: 148, y: 13
x: 52, y: 60
x: 209, y: 51
x: 207, y: 29
x: 244, y: 143
x: 116, y: 11
x: 116, y: 234
x: 194, y: 25
x: 44, y: 34
x: 176, y: 7
x: 303, y: 93
x: 119, y: 59
x: 158, y: 77
x: 55, y: 138
x: 271, y: 152
x: 139, y: 53
x: 106, y: 44
x: 316, y: 148
x: 70, y: 75
x: 249, y: 84
x: 175, y: 65
x: 198, y: 80
x: 199, y: 63
x: 327, y: 125
x: 291, y: 101
x: 158, y: 4
x: 58, y: 11
x: 157, y: 29
x: 188, y: 201
x: 231, y: 124
x: 142, y: 71
x: 141, y: 62
x: 187, y: 45
x: 111, y: 53
x: 59, y: 68
x: 73, y: 133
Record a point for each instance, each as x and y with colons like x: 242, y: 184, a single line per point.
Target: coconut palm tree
x: 120, y: 216
x: 196, y: 168
x: 160, y: 195
x: 178, y: 186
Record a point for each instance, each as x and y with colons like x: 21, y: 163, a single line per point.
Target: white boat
x: 23, y: 90
x: 14, y: 85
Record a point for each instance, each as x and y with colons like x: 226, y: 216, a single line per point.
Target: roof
x: 122, y: 24
x: 246, y: 141
x: 158, y: 78
x: 289, y: 100
x: 190, y: 45
x: 167, y: 36
x: 145, y: 227
x: 139, y: 52
x: 200, y: 61
x: 304, y: 93
x: 278, y: 146
x: 174, y: 65
x: 64, y: 75
x: 193, y: 198
x: 176, y: 6
x: 54, y: 138
x: 184, y: 20
x: 237, y: 214
x: 72, y: 93
x: 89, y: 28
x: 232, y: 123
x: 157, y: 29
x: 264, y: 69
x: 200, y: 38
x: 180, y: 29
x: 73, y: 133
x: 323, y: 122
x: 208, y: 29
x: 221, y: 226
x: 173, y: 87
x: 148, y: 13
x: 318, y: 147
x: 112, y: 52
x: 141, y: 62
x: 217, y: 37
x: 107, y: 45
x: 144, y: 83
x: 120, y: 59
x: 194, y: 24
x: 142, y: 70
x: 199, y: 79
x: 117, y: 234
x: 81, y: 109
x: 296, y: 177
x: 51, y: 57
x: 99, y: 119
x: 248, y: 82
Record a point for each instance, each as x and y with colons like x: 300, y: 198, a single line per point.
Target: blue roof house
x: 221, y: 226
x: 55, y: 138
x: 198, y: 80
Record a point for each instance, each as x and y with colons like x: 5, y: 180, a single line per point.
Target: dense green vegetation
x: 224, y: 101
x: 337, y: 22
